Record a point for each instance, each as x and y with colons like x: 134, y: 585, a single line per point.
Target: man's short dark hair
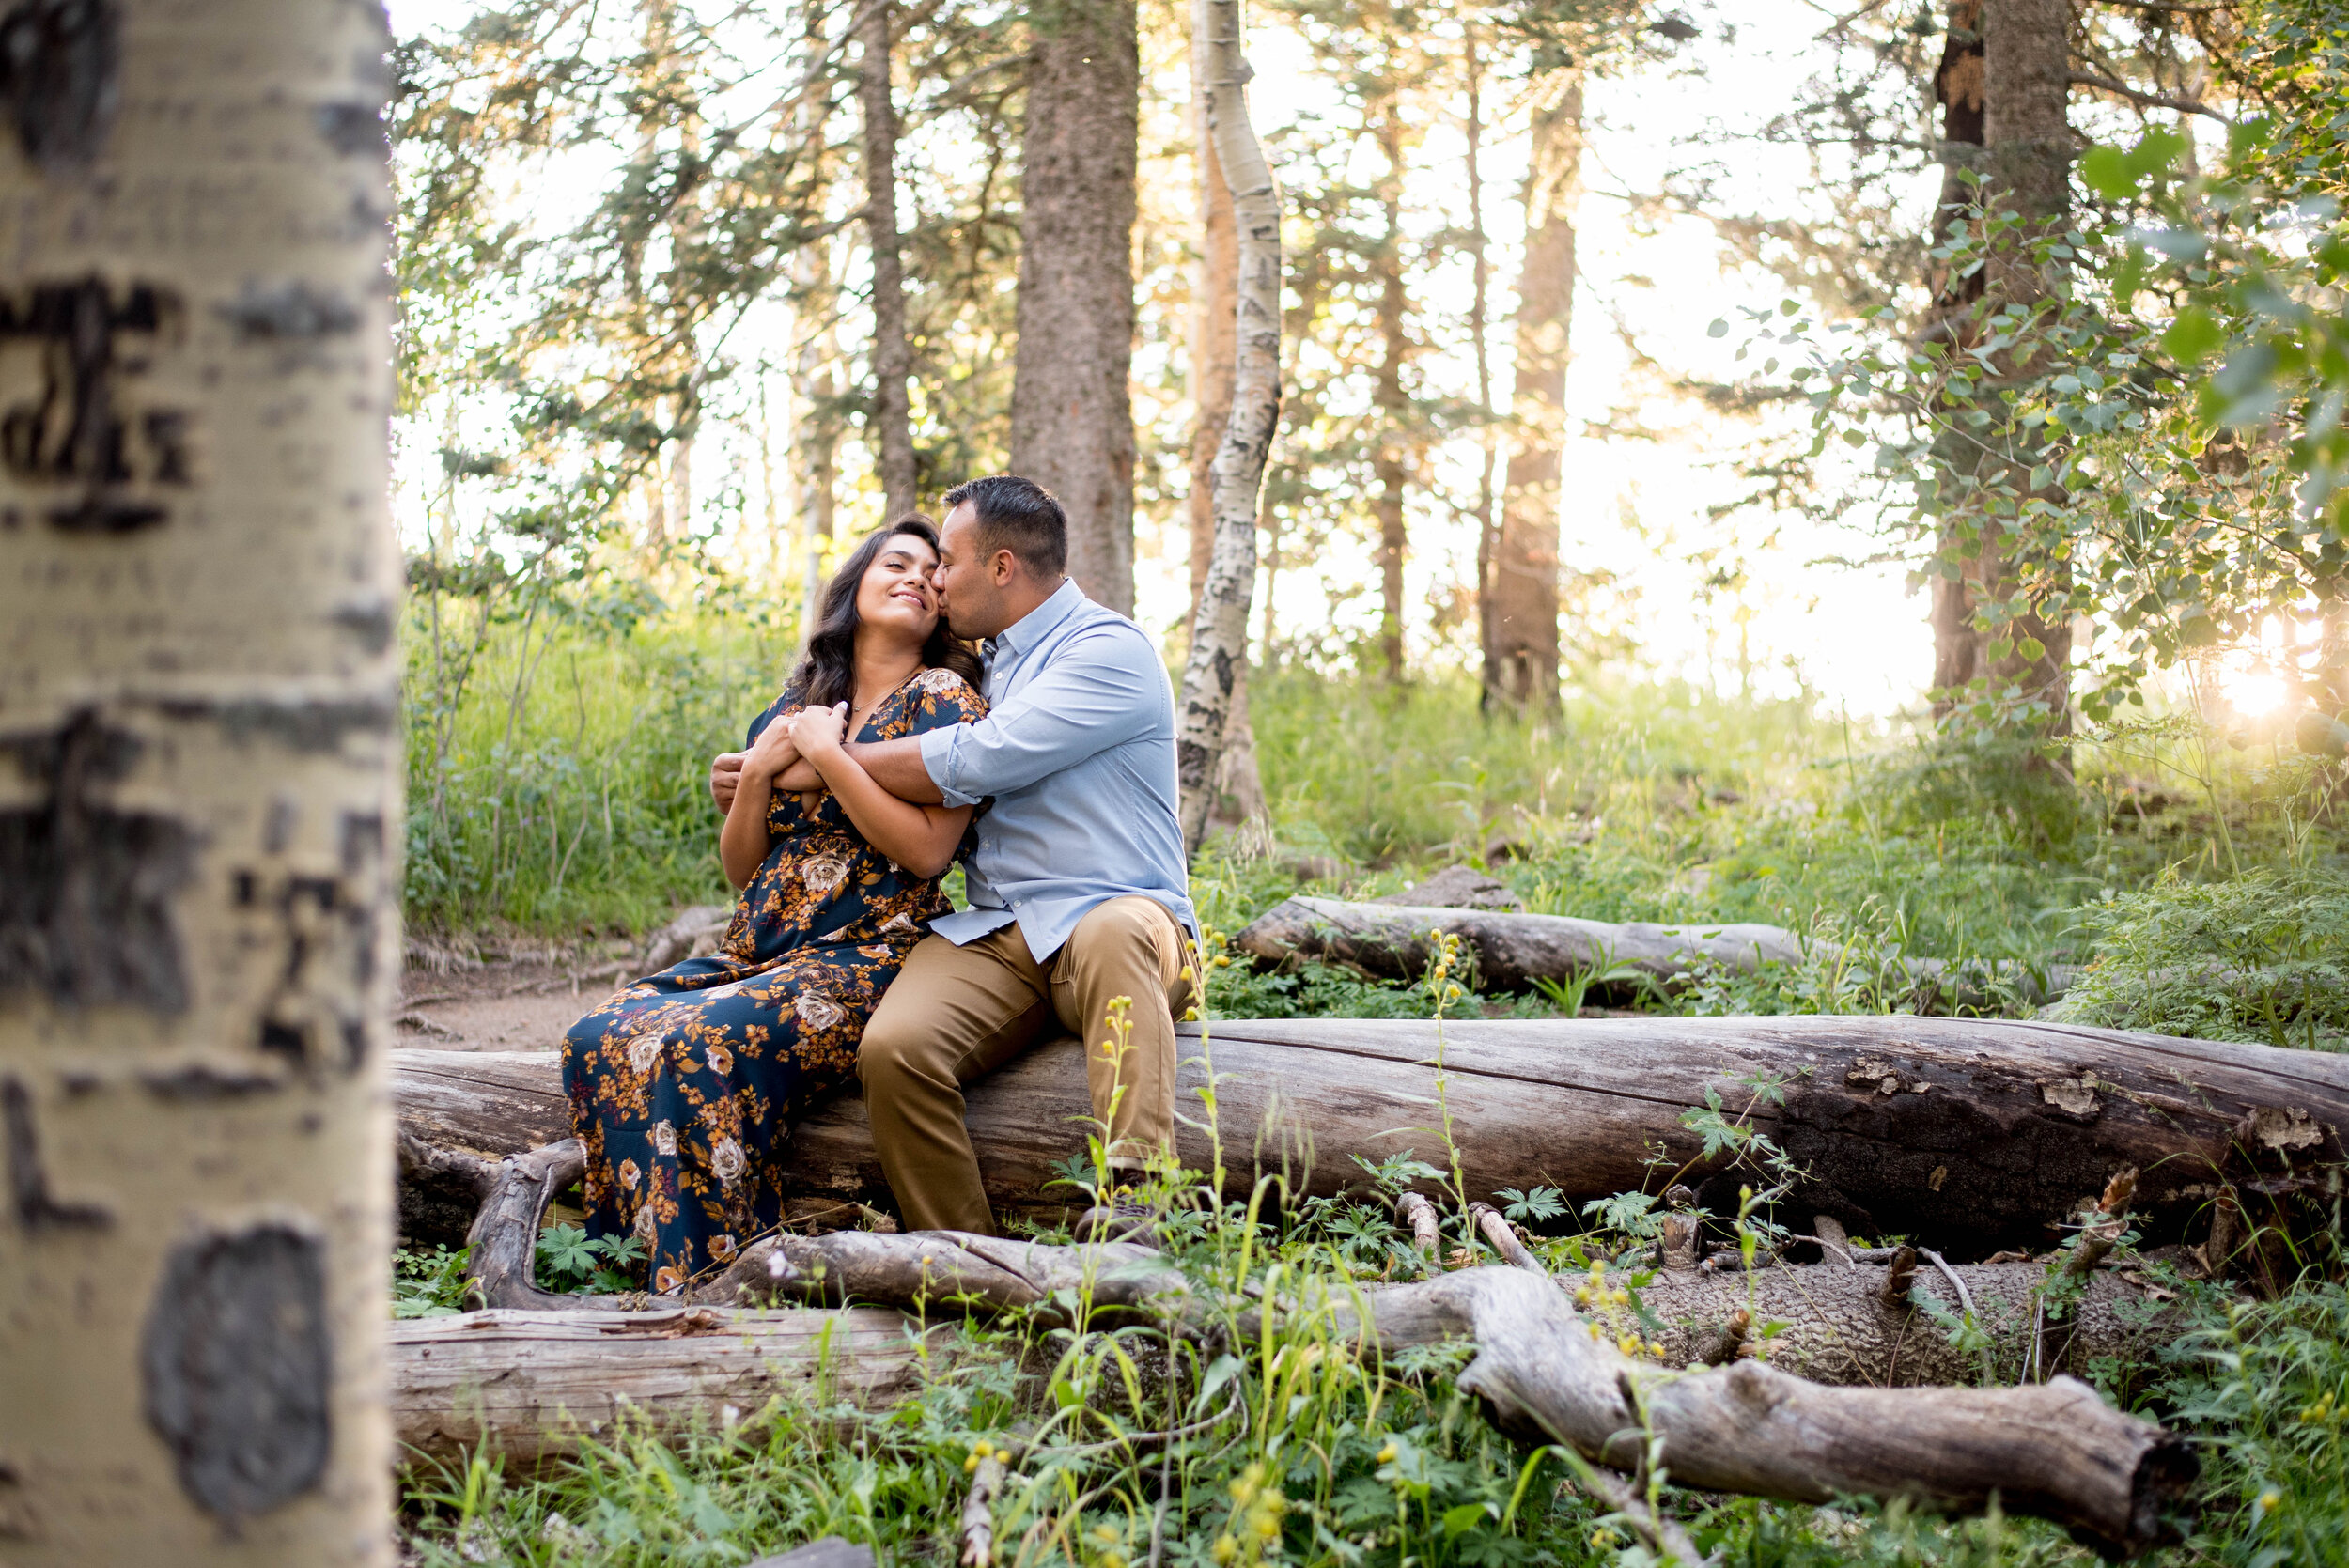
x: 1018, y: 515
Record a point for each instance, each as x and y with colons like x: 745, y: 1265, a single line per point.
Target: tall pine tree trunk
x: 1480, y: 322
x: 1072, y: 427
x: 199, y: 753
x: 1521, y: 647
x: 1219, y: 636
x: 1389, y: 465
x: 892, y: 415
x: 2026, y: 127
x: 1957, y: 86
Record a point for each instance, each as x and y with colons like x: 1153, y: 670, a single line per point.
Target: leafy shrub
x: 2260, y: 957
x: 571, y: 1262
x: 427, y: 1284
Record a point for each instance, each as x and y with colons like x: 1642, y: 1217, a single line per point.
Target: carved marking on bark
x: 86, y: 891
x: 89, y: 337
x: 351, y: 128
x: 305, y: 726
x: 290, y: 312
x: 237, y: 1362
x: 59, y: 65
x: 36, y: 1209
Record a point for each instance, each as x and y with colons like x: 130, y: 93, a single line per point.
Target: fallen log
x: 1512, y: 951
x: 1824, y: 1322
x: 1544, y: 1370
x: 536, y: 1385
x: 1965, y: 1135
x: 2054, y: 1450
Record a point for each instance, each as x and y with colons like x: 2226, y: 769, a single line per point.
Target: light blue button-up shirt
x: 1078, y: 750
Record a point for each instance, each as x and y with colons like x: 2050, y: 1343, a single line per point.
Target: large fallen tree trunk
x: 1393, y: 941
x: 536, y: 1381
x: 1968, y: 1135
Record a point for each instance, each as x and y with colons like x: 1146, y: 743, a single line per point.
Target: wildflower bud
x: 1387, y: 1455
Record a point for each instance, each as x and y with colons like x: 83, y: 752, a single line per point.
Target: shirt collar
x: 1032, y: 628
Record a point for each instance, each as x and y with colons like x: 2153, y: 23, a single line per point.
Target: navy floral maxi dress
x: 684, y: 1084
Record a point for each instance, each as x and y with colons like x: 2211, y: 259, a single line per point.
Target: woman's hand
x: 772, y: 753
x: 817, y: 732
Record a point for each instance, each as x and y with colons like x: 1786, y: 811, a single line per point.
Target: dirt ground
x: 521, y: 1004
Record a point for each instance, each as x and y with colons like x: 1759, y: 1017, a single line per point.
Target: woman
x: 683, y: 1085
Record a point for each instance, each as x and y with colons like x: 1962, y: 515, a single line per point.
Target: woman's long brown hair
x: 828, y: 673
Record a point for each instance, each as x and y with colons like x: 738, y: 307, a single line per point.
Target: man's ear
x: 1006, y: 567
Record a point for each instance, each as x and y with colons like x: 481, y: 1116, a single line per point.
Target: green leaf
x: 2106, y: 169
x: 2192, y: 336
x: 1460, y: 1520
x: 2033, y: 648
x: 1719, y: 328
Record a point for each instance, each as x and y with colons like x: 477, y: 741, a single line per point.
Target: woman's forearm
x: 919, y: 838
x: 742, y: 839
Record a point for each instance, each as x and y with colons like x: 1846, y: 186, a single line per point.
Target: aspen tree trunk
x: 1957, y: 86
x: 200, y: 592
x: 1072, y: 427
x: 1214, y: 343
x: 891, y: 361
x: 1521, y: 650
x: 1390, y: 469
x: 1214, y: 353
x: 1218, y: 636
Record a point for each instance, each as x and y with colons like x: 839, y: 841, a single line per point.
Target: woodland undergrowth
x: 2202, y: 885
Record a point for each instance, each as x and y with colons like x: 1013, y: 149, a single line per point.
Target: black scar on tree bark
x: 86, y: 891
x: 60, y: 69
x: 237, y: 1364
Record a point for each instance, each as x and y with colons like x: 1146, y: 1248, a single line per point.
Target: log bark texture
x: 1390, y: 942
x: 535, y: 1383
x: 200, y: 755
x: 1965, y: 1134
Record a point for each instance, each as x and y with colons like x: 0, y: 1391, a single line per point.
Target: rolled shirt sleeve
x: 1098, y: 693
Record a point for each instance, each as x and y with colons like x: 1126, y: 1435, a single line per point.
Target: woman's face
x: 896, y: 596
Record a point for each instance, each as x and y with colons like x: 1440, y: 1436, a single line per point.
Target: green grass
x: 557, y: 786
x: 1311, y: 1455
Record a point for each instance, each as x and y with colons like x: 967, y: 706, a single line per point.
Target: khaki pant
x: 956, y: 1014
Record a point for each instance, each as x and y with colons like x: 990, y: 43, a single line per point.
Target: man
x: 1077, y: 887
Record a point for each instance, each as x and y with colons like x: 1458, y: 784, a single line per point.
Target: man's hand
x: 725, y: 774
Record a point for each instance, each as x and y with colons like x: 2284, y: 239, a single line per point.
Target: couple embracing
x: 1047, y: 770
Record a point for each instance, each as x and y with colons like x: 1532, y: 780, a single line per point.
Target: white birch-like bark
x: 199, y: 593
x: 1218, y: 638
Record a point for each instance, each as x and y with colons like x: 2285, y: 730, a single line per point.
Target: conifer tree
x: 1071, y: 407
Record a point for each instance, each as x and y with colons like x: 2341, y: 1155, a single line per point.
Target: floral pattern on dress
x: 684, y: 1086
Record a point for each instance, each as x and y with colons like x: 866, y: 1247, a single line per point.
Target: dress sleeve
x: 946, y: 699
x: 788, y: 703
